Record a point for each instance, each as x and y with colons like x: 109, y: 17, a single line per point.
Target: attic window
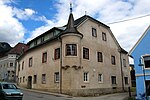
x: 42, y: 39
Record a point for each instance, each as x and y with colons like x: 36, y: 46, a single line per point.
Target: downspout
x: 60, y: 83
x: 121, y: 72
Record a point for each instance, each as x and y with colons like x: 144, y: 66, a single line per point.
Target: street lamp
x: 142, y: 65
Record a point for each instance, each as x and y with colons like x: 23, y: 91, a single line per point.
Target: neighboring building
x: 141, y: 55
x: 81, y: 58
x: 8, y: 62
x: 4, y: 48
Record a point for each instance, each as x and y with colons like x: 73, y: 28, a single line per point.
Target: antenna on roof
x: 70, y: 7
x: 85, y: 12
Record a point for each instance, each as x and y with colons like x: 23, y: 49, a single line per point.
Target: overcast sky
x: 23, y: 20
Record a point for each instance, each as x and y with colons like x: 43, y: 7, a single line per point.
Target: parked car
x: 9, y: 91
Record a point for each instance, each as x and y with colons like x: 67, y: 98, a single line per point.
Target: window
x: 100, y: 78
x: 99, y: 57
x: 35, y: 42
x: 86, y: 76
x: 113, y: 79
x: 22, y: 65
x: 57, y: 54
x: 42, y: 39
x: 104, y: 36
x: 23, y: 79
x: 126, y: 80
x: 11, y: 64
x: 43, y: 78
x: 147, y: 61
x: 94, y: 32
x: 44, y: 57
x: 113, y: 60
x: 34, y: 79
x: 71, y: 50
x: 57, y: 77
x: 20, y: 79
x: 85, y: 53
x: 30, y: 62
x: 18, y: 67
x: 124, y: 62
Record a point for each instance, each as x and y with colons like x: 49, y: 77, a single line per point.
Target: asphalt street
x: 30, y: 95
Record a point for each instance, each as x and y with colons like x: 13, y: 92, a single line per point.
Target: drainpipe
x: 60, y: 83
x: 121, y: 72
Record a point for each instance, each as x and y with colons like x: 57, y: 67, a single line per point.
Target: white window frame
x: 86, y: 76
x: 100, y: 80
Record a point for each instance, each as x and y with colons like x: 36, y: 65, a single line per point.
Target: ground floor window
x: 35, y: 79
x: 43, y: 78
x: 126, y: 80
x: 113, y: 79
x: 57, y: 77
x: 23, y: 79
x: 100, y: 78
x: 86, y: 76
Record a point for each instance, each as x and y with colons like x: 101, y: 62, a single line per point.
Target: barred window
x: 86, y: 76
x: 100, y: 77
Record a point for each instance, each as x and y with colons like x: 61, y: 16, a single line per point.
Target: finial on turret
x: 70, y: 7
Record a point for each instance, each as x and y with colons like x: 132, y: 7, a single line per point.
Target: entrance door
x: 147, y: 87
x: 29, y: 85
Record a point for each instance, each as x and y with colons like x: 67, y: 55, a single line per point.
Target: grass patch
x: 133, y: 89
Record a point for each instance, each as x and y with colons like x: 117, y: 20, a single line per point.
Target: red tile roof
x: 19, y: 49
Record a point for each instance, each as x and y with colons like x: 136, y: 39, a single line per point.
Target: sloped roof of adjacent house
x: 54, y: 28
x: 18, y: 49
x: 141, y: 38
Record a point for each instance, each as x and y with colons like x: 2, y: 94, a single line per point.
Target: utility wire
x: 129, y: 19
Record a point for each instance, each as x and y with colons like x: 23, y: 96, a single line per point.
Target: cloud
x: 11, y: 30
x: 23, y: 14
x: 106, y: 11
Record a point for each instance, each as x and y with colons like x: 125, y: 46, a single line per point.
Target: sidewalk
x: 115, y: 96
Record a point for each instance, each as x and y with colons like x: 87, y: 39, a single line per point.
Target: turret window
x: 71, y: 50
